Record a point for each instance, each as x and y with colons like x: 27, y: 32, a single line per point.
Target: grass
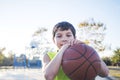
x: 114, y: 71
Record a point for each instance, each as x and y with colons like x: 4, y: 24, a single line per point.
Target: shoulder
x: 51, y: 54
x: 47, y: 57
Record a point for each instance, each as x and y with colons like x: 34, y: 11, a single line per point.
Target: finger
x: 72, y: 42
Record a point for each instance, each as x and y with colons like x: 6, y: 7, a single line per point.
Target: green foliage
x: 1, y: 58
x: 93, y: 33
x: 116, y: 56
x: 114, y: 60
x: 5, y: 61
x: 1, y: 55
x: 107, y: 60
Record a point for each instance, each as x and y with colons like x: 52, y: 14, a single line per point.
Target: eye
x: 58, y: 36
x: 69, y: 35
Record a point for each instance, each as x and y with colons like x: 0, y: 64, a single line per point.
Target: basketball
x: 81, y: 62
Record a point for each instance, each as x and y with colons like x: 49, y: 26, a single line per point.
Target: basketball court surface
x: 27, y: 74
x: 21, y: 74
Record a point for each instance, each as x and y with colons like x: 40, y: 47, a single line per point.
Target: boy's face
x: 62, y: 37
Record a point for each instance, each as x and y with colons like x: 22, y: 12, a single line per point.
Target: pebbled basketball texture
x: 81, y: 62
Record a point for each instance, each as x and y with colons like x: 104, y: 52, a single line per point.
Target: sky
x: 20, y: 18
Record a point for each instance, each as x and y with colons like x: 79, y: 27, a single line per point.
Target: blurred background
x: 26, y: 28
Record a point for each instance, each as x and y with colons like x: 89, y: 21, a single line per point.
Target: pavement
x: 21, y: 74
x: 29, y: 74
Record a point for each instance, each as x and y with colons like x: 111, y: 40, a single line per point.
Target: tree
x: 107, y: 60
x: 39, y: 31
x: 92, y: 33
x: 38, y: 42
x: 1, y: 55
x: 116, y: 56
x: 39, y: 36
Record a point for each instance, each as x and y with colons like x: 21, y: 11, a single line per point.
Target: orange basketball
x: 81, y: 62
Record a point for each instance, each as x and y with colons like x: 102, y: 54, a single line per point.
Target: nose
x: 64, y: 39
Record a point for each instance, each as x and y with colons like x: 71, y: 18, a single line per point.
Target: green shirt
x: 61, y: 75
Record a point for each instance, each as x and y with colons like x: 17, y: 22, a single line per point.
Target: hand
x: 65, y: 46
x: 75, y: 41
x: 70, y: 43
x: 104, y: 71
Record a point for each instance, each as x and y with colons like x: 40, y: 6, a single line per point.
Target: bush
x: 7, y: 62
x: 107, y: 61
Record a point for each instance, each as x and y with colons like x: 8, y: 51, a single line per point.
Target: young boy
x: 64, y: 35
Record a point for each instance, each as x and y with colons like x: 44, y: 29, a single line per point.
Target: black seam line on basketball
x: 75, y: 58
x: 91, y: 64
x: 82, y: 55
x: 82, y: 63
x: 87, y: 60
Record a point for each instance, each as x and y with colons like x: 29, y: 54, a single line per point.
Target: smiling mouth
x: 61, y: 44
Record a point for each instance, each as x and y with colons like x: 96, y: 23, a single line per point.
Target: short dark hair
x: 64, y: 25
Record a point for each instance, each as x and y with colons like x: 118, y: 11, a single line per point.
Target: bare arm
x: 104, y: 71
x: 51, y: 68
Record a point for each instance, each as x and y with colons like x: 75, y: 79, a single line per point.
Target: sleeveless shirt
x: 61, y: 75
